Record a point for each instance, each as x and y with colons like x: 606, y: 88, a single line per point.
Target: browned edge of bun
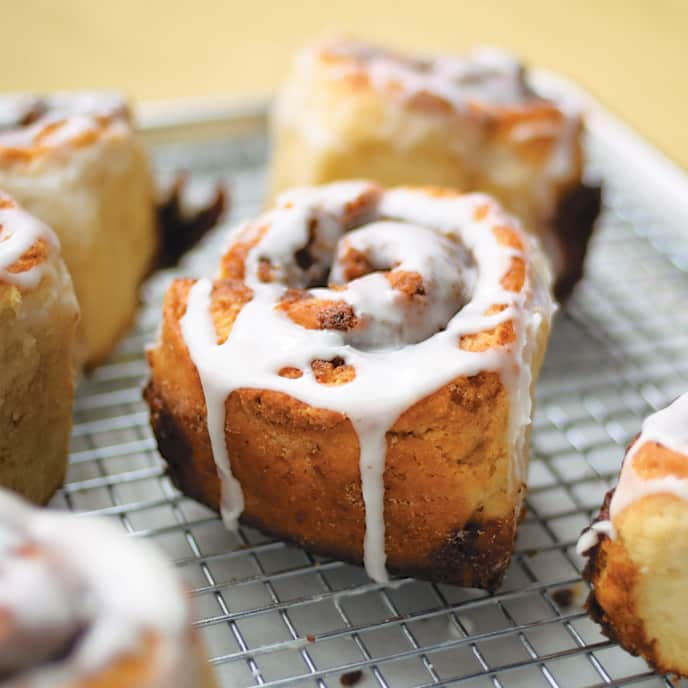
x: 592, y: 569
x: 624, y: 627
x: 477, y: 555
x: 178, y: 231
x: 573, y: 224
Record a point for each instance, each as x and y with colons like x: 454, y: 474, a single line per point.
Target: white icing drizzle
x: 14, y: 107
x: 19, y: 231
x: 485, y: 75
x: 395, y: 364
x: 590, y: 537
x: 668, y: 428
x: 82, y: 583
x: 58, y: 119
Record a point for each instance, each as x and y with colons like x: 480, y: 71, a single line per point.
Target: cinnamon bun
x: 83, y: 606
x: 357, y: 379
x: 75, y: 162
x: 38, y: 320
x: 472, y: 122
x: 637, y: 548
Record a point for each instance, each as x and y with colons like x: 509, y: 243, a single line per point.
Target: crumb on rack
x: 351, y: 678
x: 565, y: 598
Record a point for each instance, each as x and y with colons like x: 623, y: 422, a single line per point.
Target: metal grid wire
x: 274, y: 615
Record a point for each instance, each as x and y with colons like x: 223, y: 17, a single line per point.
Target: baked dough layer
x: 38, y: 320
x: 638, y: 547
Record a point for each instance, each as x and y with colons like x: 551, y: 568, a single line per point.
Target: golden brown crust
x: 452, y: 483
x: 612, y: 603
x: 443, y: 479
x: 612, y: 600
x: 626, y: 592
x: 302, y: 502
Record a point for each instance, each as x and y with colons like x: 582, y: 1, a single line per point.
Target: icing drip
x: 400, y: 354
x: 19, y: 231
x: 590, y: 537
x: 199, y: 332
x: 76, y: 594
x: 56, y: 120
x: 668, y: 428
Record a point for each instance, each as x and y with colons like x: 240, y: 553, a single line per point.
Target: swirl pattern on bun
x: 358, y: 377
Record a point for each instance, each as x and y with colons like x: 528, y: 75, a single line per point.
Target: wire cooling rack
x: 274, y: 615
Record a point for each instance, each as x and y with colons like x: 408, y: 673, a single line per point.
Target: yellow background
x: 633, y: 55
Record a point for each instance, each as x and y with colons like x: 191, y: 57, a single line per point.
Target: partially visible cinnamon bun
x: 74, y: 161
x: 358, y: 378
x: 472, y: 122
x: 83, y: 606
x: 38, y: 321
x: 637, y: 548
